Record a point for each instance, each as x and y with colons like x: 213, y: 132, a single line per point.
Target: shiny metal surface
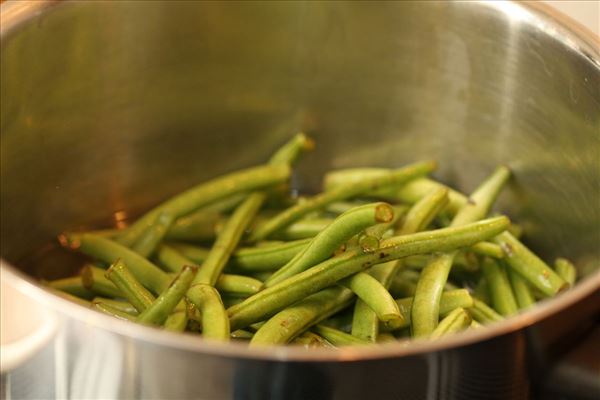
x: 110, y: 107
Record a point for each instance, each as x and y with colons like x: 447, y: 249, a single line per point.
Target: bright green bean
x: 113, y: 312
x: 72, y: 285
x: 434, y: 276
x: 147, y: 242
x: 396, y: 177
x: 164, y: 304
x: 270, y: 300
x: 215, y: 324
x: 130, y: 287
x: 370, y: 291
x: 261, y: 259
x: 94, y: 280
x: 241, y: 334
x: 530, y: 266
x: 521, y: 289
x: 458, y: 320
x: 295, y: 319
x: 118, y: 304
x: 338, y: 232
x: 209, y: 192
x: 108, y: 251
x: 339, y: 338
x: 483, y: 313
x: 237, y: 285
x: 501, y: 295
x: 178, y: 319
x: 566, y: 270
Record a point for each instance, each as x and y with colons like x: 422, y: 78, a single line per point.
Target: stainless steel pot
x: 107, y: 107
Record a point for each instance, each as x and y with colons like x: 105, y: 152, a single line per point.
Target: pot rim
x: 553, y: 23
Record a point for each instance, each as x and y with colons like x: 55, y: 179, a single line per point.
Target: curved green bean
x: 530, y: 266
x: 338, y: 232
x: 149, y: 239
x: 159, y: 310
x: 208, y: 192
x: 502, y: 297
x: 215, y: 324
x: 130, y: 287
x: 424, y: 316
x: 566, y: 270
x: 458, y: 320
x: 370, y: 291
x: 272, y: 299
x: 108, y: 251
x: 302, y: 229
x: 285, y: 218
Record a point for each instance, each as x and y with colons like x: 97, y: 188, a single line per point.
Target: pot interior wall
x: 108, y: 108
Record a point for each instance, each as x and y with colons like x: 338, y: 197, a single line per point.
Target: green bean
x: 198, y: 227
x: 365, y: 324
x: 340, y: 207
x: 159, y: 310
x: 310, y: 340
x: 295, y: 319
x: 481, y: 291
x: 339, y: 338
x: 237, y: 285
x: 118, y: 304
x: 94, y: 280
x: 521, y: 289
x: 108, y: 251
x: 483, y: 313
x: 70, y: 297
x: 386, y: 338
x: 229, y: 301
x: 171, y: 259
x: 272, y: 299
x: 112, y: 311
x: 290, y: 151
x: 208, y: 192
x: 475, y: 324
x: 410, y: 193
x: 487, y: 249
x: 449, y: 301
x: 381, y: 229
x: 458, y: 320
x: 191, y: 252
x: 241, y: 334
x: 434, y: 276
x: 178, y: 319
x: 73, y: 286
x: 265, y: 259
x: 338, y: 232
x: 566, y: 270
x: 503, y: 299
x: 261, y: 276
x: 343, y: 192
x: 530, y: 266
x: 129, y: 287
x: 148, y: 240
x: 303, y: 229
x: 370, y: 291
x: 228, y: 239
x: 215, y: 324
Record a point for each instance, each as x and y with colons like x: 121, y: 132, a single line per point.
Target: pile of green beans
x: 380, y: 255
